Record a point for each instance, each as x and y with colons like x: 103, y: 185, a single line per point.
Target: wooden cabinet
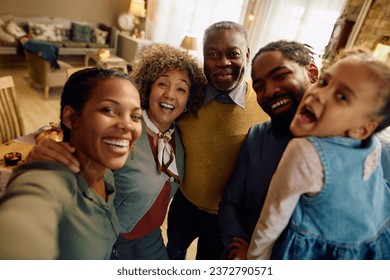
x: 340, y: 34
x: 129, y: 47
x: 338, y: 40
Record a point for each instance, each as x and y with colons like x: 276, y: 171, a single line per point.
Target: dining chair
x: 11, y: 122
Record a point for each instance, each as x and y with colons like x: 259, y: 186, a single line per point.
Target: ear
x: 248, y: 54
x: 364, y: 131
x: 68, y: 116
x: 312, y: 70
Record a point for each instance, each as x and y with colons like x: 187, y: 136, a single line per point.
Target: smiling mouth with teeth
x: 280, y: 103
x: 117, y: 143
x: 167, y: 106
x: 223, y: 76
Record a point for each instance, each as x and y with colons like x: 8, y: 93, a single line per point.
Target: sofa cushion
x: 6, y: 38
x: 66, y: 23
x: 99, y: 36
x: 48, y: 32
x: 80, y: 33
x: 14, y: 29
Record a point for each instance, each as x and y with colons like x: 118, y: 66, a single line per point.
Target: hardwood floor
x: 38, y: 112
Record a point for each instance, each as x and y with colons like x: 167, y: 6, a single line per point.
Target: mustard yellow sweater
x: 212, y: 143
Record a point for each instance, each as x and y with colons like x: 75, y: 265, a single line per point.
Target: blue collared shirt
x: 236, y: 95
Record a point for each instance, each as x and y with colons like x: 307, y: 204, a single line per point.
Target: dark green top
x: 49, y: 212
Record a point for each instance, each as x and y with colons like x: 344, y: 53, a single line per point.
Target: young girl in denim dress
x: 328, y: 198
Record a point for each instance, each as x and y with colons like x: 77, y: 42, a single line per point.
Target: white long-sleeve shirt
x: 299, y: 172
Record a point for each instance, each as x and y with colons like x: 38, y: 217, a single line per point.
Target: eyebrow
x: 342, y: 86
x: 117, y: 103
x: 273, y: 70
x: 110, y: 100
x: 276, y: 69
x: 166, y: 75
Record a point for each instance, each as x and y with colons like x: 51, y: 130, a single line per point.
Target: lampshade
x: 189, y: 43
x: 137, y: 8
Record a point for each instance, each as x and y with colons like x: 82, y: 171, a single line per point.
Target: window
x: 171, y: 20
x: 306, y: 21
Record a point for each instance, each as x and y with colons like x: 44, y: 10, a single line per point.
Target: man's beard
x: 281, y: 123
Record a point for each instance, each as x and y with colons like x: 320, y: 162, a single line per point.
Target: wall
x: 94, y: 11
x: 376, y: 26
x: 374, y: 29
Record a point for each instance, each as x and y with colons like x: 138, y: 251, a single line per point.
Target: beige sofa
x: 72, y: 37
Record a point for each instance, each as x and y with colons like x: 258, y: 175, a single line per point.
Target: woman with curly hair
x: 171, y: 84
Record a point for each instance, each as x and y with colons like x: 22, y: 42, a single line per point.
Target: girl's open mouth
x: 307, y: 115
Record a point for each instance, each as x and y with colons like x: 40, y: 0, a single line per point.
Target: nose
x: 319, y: 95
x: 223, y: 61
x: 271, y: 90
x: 125, y: 124
x: 169, y: 93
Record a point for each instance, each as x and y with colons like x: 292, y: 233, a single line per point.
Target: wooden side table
x: 112, y: 62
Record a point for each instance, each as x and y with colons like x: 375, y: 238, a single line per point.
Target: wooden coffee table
x: 112, y: 62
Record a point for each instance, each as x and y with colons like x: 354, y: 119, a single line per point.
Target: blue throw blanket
x: 46, y: 50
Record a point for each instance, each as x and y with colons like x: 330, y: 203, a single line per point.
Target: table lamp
x: 137, y: 8
x: 189, y: 43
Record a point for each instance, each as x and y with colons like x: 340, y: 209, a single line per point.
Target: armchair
x: 42, y: 74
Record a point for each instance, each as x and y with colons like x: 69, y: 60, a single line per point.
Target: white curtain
x: 307, y: 21
x: 163, y: 21
x: 168, y: 21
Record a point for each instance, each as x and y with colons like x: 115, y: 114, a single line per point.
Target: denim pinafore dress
x: 350, y: 218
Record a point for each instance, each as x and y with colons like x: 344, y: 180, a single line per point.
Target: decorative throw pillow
x: 80, y: 33
x: 5, y: 37
x: 99, y: 36
x: 46, y: 32
x: 14, y: 29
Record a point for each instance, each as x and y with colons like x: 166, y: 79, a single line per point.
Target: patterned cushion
x: 47, y: 32
x: 99, y: 36
x: 80, y: 33
x: 14, y: 29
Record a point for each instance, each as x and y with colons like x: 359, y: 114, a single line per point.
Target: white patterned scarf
x: 165, y: 151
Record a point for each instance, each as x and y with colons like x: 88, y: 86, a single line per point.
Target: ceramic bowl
x: 12, y: 158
